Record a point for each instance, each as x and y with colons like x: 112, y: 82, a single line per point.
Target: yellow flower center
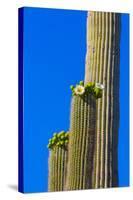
x: 79, y: 89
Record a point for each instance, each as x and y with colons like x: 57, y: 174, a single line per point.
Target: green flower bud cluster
x: 89, y: 88
x: 59, y: 139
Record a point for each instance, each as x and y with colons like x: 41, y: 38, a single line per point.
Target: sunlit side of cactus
x: 57, y: 161
x: 102, y: 65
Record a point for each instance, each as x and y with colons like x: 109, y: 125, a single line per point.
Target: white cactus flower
x: 100, y: 86
x: 79, y: 90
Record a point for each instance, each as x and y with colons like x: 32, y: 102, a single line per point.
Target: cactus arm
x: 84, y: 127
x: 56, y: 166
x: 58, y: 161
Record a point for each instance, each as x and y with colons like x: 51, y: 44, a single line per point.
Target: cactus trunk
x: 102, y: 65
x: 57, y: 169
x: 81, y: 142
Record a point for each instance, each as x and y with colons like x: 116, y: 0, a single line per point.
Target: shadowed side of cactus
x: 57, y: 161
x: 81, y: 142
x: 102, y: 65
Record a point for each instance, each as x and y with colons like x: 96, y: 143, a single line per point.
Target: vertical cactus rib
x: 51, y: 173
x: 78, y: 161
x: 76, y: 130
x: 107, y: 141
x: 71, y: 144
x: 58, y: 158
x: 100, y: 103
x: 65, y: 169
x: 92, y: 45
x: 70, y: 162
x: 104, y: 107
x: 88, y: 73
x: 111, y: 100
x: 88, y: 38
x: 52, y: 169
x: 56, y: 170
x: 98, y: 50
x: 96, y: 169
x: 83, y: 152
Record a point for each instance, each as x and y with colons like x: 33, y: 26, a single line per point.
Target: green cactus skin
x: 102, y: 65
x: 81, y: 142
x: 57, y: 169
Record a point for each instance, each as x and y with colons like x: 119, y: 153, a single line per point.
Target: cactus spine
x: 102, y: 65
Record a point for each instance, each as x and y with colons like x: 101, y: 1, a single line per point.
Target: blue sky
x: 54, y: 58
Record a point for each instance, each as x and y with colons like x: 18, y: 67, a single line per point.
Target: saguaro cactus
x: 57, y: 161
x: 92, y: 151
x: 82, y: 138
x: 102, y: 65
